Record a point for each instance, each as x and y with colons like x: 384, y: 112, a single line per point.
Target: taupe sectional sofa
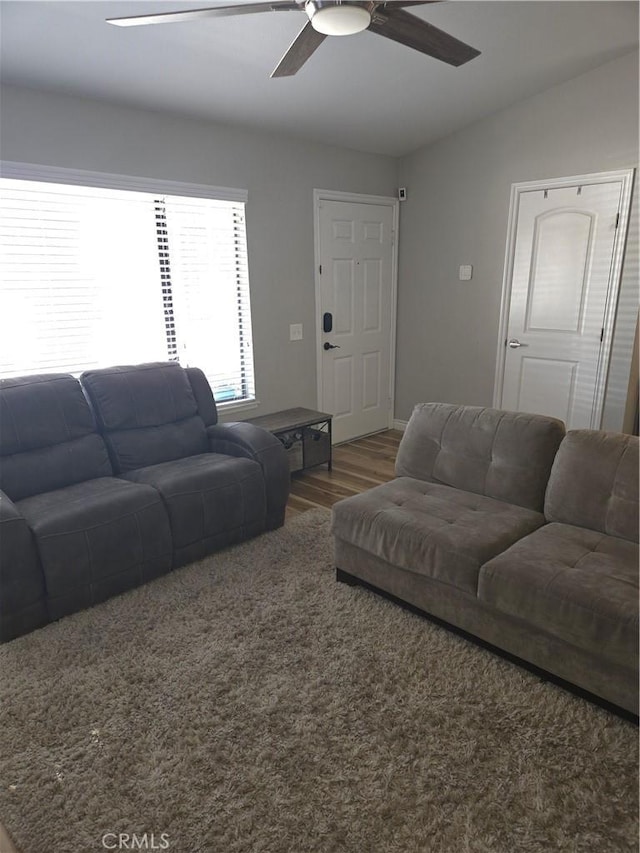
x: 116, y: 479
x: 504, y: 527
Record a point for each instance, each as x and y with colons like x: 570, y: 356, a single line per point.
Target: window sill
x: 230, y: 409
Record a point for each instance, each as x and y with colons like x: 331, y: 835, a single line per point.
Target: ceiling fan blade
x: 418, y: 34
x: 212, y: 12
x: 304, y: 44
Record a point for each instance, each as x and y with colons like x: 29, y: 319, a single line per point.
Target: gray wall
x: 279, y: 173
x: 456, y: 213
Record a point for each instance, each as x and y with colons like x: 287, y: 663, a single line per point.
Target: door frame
x: 357, y: 198
x: 626, y: 176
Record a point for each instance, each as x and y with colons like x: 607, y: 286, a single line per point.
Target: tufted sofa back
x: 594, y: 483
x: 504, y: 455
x: 150, y: 413
x: 48, y: 436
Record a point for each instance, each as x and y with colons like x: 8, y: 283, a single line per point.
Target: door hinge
x: 617, y: 220
x: 320, y: 269
x: 601, y: 335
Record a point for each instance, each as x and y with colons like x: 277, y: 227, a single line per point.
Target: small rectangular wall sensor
x: 466, y: 272
x: 402, y: 193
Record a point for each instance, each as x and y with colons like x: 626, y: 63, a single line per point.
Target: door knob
x: 331, y: 346
x: 514, y: 343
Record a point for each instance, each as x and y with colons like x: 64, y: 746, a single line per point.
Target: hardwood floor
x: 357, y: 466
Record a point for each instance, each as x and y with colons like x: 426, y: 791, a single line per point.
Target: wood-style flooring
x: 357, y: 466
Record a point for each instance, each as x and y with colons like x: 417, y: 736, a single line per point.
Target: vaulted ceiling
x: 360, y: 91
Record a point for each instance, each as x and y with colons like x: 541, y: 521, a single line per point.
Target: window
x: 93, y: 276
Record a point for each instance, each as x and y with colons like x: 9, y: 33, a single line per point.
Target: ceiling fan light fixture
x: 337, y: 19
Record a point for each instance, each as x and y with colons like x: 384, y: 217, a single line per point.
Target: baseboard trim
x: 351, y: 580
x: 400, y: 425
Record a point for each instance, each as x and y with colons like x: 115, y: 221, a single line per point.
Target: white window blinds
x: 94, y: 276
x: 213, y: 329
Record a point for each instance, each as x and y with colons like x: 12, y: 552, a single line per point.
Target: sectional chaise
x: 500, y: 525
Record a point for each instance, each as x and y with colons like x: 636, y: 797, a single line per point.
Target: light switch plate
x: 466, y: 271
x: 295, y: 332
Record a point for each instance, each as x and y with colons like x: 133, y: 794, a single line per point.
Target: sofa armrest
x: 22, y: 587
x: 242, y: 439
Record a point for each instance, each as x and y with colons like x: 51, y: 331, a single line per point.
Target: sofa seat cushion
x: 96, y: 539
x: 207, y: 495
x: 431, y: 529
x: 577, y: 584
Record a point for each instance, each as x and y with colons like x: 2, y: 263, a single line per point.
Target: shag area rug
x: 250, y: 704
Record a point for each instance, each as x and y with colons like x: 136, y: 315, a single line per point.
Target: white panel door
x: 562, y: 266
x: 356, y: 276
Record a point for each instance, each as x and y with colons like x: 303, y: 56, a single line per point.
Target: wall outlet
x: 295, y: 332
x: 466, y: 272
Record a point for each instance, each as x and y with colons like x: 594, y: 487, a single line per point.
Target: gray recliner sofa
x: 502, y: 526
x: 219, y: 483
x: 94, y: 503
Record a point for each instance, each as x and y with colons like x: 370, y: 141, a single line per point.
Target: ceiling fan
x: 333, y: 18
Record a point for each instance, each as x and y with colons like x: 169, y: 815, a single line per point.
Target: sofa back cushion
x: 147, y: 413
x: 48, y: 436
x: 203, y: 394
x: 594, y: 483
x: 503, y: 455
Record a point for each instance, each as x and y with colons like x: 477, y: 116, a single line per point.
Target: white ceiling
x: 363, y: 91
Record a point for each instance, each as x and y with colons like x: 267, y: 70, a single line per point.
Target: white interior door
x: 562, y: 283
x: 356, y: 296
